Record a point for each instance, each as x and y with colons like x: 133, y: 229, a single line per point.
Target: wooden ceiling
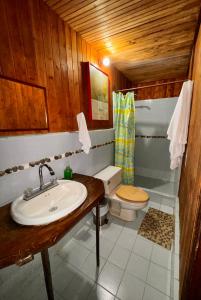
x: 145, y: 39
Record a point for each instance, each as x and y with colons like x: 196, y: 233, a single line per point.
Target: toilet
x: 124, y: 200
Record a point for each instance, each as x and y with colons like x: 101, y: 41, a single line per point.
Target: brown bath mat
x: 158, y: 227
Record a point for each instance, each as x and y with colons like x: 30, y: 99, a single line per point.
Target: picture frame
x: 98, y: 92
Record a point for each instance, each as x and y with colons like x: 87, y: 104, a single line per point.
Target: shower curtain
x: 124, y: 123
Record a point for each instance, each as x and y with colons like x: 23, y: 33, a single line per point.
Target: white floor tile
x: 176, y: 244
x: 56, y: 297
x: 116, y: 220
x: 154, y: 205
x: 62, y: 242
x: 106, y: 247
x: 131, y: 288
x: 74, y: 229
x: 39, y: 293
x: 138, y: 266
x: 168, y: 201
x: 74, y: 253
x: 110, y: 277
x: 55, y: 262
x: 153, y: 197
x: 177, y: 204
x: 88, y: 217
x: 111, y: 231
x: 89, y: 267
x: 161, y: 256
x: 19, y: 288
x: 152, y: 294
x: 36, y: 290
x: 176, y: 289
x: 177, y: 229
x: 137, y: 222
x: 176, y: 266
x: 23, y: 273
x: 145, y: 209
x: 143, y: 247
x: 127, y: 238
x: 79, y: 288
x: 167, y: 209
x: 99, y: 293
x: 86, y: 237
x: 119, y: 256
x: 62, y: 277
x: 8, y: 272
x: 176, y: 216
x: 90, y: 223
x: 159, y: 278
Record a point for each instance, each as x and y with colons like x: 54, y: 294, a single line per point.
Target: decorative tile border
x: 152, y: 136
x: 33, y: 164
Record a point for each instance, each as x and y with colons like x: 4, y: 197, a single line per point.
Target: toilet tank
x: 111, y: 177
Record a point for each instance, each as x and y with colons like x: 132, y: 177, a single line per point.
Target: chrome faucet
x: 30, y: 193
x: 41, y: 174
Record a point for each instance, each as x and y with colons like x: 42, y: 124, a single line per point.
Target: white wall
x: 152, y: 155
x: 23, y: 149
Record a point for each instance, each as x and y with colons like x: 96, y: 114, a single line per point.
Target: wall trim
x: 32, y: 164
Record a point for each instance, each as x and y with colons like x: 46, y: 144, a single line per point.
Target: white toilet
x: 124, y: 200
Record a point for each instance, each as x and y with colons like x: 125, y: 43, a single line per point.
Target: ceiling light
x: 106, y: 61
x: 108, y: 44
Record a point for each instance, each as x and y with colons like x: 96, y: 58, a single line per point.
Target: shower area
x: 143, y: 122
x: 151, y: 155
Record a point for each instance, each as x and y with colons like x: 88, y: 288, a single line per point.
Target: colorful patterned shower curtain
x: 124, y: 123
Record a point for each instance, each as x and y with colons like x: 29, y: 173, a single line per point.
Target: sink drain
x: 53, y: 208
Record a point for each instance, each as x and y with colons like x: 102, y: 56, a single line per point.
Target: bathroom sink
x: 51, y: 205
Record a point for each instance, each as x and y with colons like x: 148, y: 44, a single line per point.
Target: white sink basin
x: 50, y: 205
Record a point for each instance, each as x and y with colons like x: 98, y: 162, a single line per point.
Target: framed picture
x: 98, y: 92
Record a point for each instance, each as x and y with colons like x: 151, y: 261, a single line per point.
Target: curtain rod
x: 153, y: 85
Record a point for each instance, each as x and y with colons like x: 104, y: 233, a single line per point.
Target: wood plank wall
x: 163, y: 91
x: 81, y: 51
x: 22, y: 106
x: 190, y: 193
x: 37, y: 48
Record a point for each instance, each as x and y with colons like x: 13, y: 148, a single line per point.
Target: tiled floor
x: 131, y: 267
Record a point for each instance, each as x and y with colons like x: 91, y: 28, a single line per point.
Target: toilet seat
x: 124, y: 200
x: 131, y: 194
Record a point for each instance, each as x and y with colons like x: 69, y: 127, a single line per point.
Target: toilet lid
x: 131, y: 193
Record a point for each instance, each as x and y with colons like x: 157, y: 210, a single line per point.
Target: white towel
x: 178, y: 128
x: 84, y: 137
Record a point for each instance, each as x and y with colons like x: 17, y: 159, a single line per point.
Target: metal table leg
x: 47, y: 274
x: 97, y: 235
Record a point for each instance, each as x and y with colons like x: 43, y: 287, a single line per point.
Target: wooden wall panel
x: 190, y: 193
x: 5, y: 50
x: 161, y: 91
x: 38, y: 48
x: 22, y: 107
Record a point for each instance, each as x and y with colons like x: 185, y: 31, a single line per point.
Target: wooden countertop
x: 17, y: 241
